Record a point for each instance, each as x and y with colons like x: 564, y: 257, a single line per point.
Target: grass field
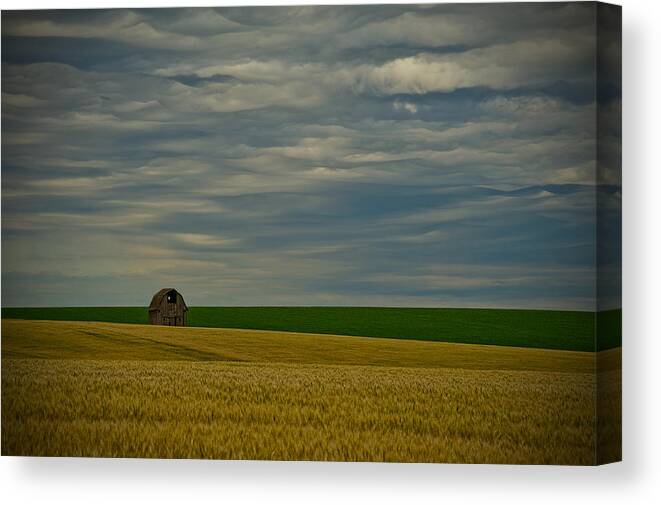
x: 522, y: 328
x: 103, y: 389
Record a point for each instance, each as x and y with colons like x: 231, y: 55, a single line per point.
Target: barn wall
x: 166, y: 311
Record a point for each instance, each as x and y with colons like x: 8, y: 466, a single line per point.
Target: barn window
x: 172, y: 297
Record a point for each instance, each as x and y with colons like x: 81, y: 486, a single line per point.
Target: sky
x: 398, y: 155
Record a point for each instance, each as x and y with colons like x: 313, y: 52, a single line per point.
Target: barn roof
x: 158, y: 297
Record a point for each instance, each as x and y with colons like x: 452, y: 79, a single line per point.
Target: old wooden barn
x: 168, y: 308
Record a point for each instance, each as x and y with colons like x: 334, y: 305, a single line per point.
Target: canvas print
x: 344, y: 233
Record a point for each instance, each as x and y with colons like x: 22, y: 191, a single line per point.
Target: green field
x: 128, y: 390
x: 547, y: 329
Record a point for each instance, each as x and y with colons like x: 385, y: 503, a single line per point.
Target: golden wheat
x: 295, y: 412
x: 295, y: 397
x: 85, y: 340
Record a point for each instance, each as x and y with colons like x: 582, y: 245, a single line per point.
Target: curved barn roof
x: 158, y: 298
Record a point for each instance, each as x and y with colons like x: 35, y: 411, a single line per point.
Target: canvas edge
x: 608, y: 329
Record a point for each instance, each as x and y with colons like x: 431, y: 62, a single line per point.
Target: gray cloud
x: 391, y: 155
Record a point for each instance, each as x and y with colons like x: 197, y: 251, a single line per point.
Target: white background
x: 636, y: 480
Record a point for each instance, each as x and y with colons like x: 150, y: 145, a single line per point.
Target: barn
x: 168, y: 308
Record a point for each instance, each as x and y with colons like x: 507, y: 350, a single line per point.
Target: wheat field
x: 114, y: 390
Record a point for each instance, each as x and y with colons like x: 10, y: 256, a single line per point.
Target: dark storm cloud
x: 372, y: 155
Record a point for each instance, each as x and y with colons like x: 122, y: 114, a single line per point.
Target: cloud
x: 126, y: 26
x: 503, y: 66
x: 408, y: 106
x: 399, y: 155
x: 441, y: 26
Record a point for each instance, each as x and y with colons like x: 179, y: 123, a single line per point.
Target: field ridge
x: 117, y: 341
x: 549, y: 329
